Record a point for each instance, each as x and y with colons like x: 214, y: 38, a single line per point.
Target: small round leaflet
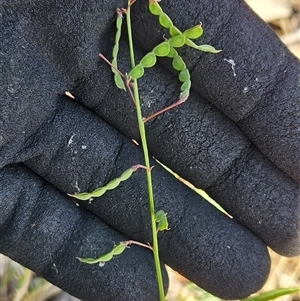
x: 194, y: 32
x: 149, y: 60
x: 165, y: 21
x: 162, y: 49
x: 136, y: 72
x: 177, y: 41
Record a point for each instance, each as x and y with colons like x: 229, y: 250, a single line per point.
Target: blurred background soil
x: 283, y: 17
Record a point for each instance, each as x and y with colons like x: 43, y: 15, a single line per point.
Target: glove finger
x: 254, y: 80
x: 46, y: 45
x: 208, y: 163
x: 43, y: 230
x: 279, y: 232
x: 206, y: 148
x: 58, y: 61
x: 79, y: 150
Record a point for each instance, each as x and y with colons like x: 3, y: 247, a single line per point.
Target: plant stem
x: 134, y: 242
x: 147, y: 163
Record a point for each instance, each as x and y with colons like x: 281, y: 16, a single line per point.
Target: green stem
x: 147, y: 163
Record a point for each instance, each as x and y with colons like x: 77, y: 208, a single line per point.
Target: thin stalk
x: 134, y: 242
x: 147, y: 162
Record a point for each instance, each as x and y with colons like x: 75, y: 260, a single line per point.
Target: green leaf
x: 103, y: 258
x: 184, y: 75
x: 165, y: 21
x: 172, y: 53
x: 116, y: 250
x: 194, y: 32
x: 204, y: 48
x: 208, y: 48
x: 191, y: 33
x: 149, y: 60
x: 185, y: 87
x: 154, y: 8
x: 173, y: 31
x: 119, y: 81
x: 271, y: 295
x: 162, y: 49
x: 84, y: 196
x: 119, y: 249
x: 177, y: 41
x: 178, y: 63
x: 136, y: 72
x: 161, y: 220
x: 117, y: 77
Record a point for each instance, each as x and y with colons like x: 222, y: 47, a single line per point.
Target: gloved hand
x: 246, y: 158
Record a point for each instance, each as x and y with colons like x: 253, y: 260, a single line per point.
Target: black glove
x: 52, y: 145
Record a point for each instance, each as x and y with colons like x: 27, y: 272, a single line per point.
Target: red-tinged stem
x: 175, y: 104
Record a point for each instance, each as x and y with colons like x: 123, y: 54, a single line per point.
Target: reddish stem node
x: 120, y: 12
x: 137, y: 166
x: 130, y: 86
x: 134, y: 242
x: 175, y: 104
x: 131, y: 2
x: 110, y: 64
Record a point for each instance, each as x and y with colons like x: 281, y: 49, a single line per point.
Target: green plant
x: 167, y: 48
x: 177, y: 39
x: 273, y: 294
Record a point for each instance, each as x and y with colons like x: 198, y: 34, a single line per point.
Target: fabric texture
x: 235, y: 137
